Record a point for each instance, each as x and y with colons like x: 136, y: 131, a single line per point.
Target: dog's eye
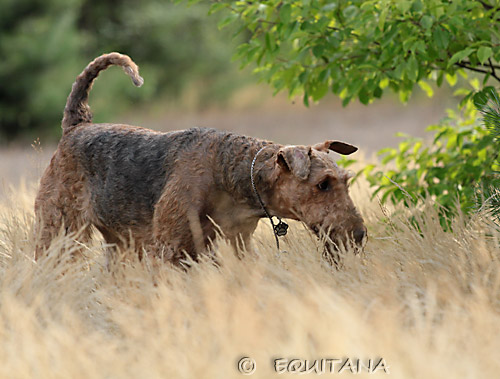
x: 324, y: 185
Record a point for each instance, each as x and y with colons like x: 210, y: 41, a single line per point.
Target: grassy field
x: 426, y: 303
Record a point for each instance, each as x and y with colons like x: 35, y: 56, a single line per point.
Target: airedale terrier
x: 165, y: 192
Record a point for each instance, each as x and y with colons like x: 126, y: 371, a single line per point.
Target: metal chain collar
x: 279, y: 229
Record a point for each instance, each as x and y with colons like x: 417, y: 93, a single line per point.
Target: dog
x: 163, y: 193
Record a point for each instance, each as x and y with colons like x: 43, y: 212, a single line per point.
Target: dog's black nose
x: 359, y: 235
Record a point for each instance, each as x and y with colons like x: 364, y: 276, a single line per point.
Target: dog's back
x: 126, y: 167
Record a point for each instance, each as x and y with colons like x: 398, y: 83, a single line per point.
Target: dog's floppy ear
x: 296, y: 159
x: 337, y: 146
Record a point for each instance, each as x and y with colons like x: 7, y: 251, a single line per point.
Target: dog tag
x: 281, y: 228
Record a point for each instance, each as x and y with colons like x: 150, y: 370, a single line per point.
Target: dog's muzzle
x: 355, y: 240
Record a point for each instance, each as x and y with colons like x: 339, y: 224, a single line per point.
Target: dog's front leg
x: 177, y: 229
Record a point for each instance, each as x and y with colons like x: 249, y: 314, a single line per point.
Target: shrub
x: 459, y: 167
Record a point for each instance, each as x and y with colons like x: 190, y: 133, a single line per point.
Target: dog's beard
x: 336, y: 245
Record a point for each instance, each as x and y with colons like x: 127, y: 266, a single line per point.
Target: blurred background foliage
x: 45, y: 44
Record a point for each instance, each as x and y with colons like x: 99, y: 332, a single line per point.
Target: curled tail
x: 77, y: 109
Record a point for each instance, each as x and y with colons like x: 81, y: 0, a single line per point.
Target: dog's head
x: 311, y: 188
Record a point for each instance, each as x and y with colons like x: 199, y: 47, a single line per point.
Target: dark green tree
x: 45, y: 44
x: 38, y: 44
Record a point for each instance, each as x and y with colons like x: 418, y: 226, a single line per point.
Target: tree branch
x: 483, y: 65
x: 492, y: 67
x: 486, y: 5
x: 475, y: 69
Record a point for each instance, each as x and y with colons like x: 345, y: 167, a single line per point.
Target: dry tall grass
x: 428, y: 303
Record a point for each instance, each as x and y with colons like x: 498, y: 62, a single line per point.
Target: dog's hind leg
x: 61, y: 207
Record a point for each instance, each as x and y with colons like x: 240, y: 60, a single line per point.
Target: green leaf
x: 417, y: 6
x: 441, y: 38
x: 286, y: 13
x: 364, y: 96
x: 330, y: 7
x: 320, y: 89
x: 451, y: 79
x: 404, y: 96
x: 388, y: 158
x: 270, y: 42
x: 403, y: 5
x: 440, y: 78
x: 303, y: 77
x: 217, y: 7
x: 480, y: 99
x: 324, y: 75
x: 386, y: 150
x: 382, y: 17
x: 318, y: 50
x: 419, y: 46
x: 350, y: 12
x: 412, y: 68
x: 486, y: 77
x: 354, y: 86
x: 305, y: 99
x: 226, y: 21
x: 483, y: 53
x: 289, y: 29
x: 426, y: 22
x: 398, y: 71
x: 466, y: 98
x: 426, y: 87
x: 462, y: 54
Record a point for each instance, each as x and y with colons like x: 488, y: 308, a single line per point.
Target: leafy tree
x: 359, y: 49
